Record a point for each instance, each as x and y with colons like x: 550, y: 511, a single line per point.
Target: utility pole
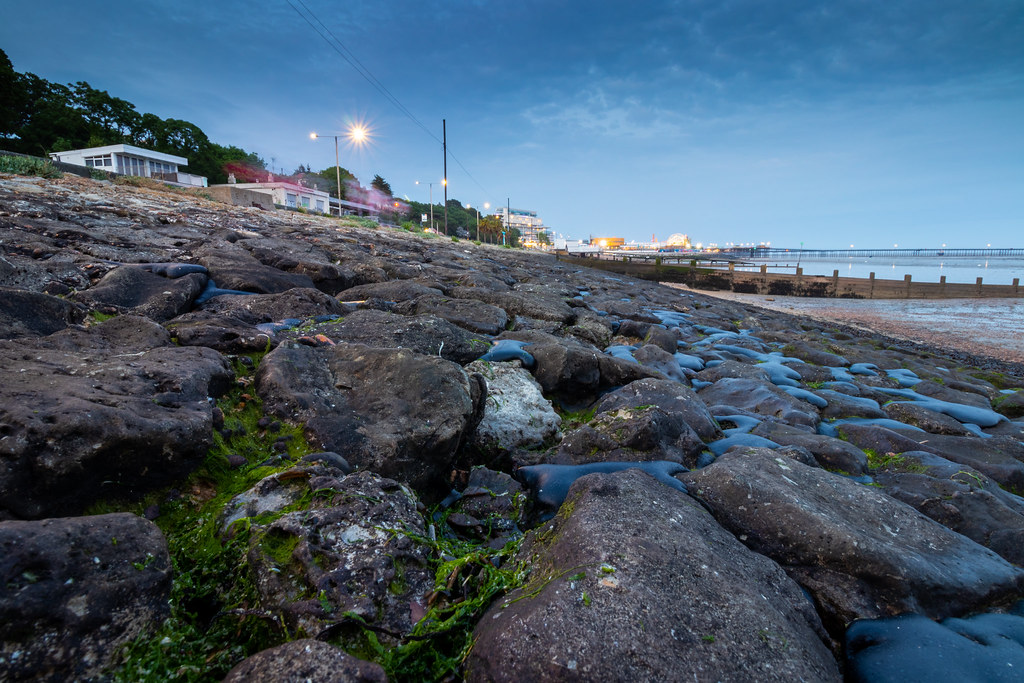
x: 508, y: 219
x: 444, y: 136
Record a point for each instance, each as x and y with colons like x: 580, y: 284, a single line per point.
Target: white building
x: 526, y: 222
x: 291, y: 195
x: 131, y: 160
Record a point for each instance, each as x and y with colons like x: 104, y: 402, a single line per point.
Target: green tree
x: 331, y: 174
x: 13, y: 98
x: 381, y: 185
x: 490, y: 229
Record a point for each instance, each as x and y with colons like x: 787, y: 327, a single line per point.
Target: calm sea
x: 994, y: 270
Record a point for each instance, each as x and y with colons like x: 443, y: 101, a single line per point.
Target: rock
x: 398, y: 413
x: 659, y: 360
x: 1011, y: 405
x: 137, y: 291
x: 232, y: 267
x: 110, y: 422
x: 831, y: 454
x: 631, y: 434
x: 392, y: 290
x: 1000, y: 457
x: 677, y: 401
x: 606, y: 600
x: 843, y: 405
x: 348, y: 550
x: 426, y: 334
x: 928, y: 420
x: 949, y: 395
x: 860, y: 553
x: 306, y: 660
x: 958, y: 497
x: 985, y: 647
x: 809, y: 353
x: 762, y: 398
x: 495, y: 499
x: 74, y: 591
x: 32, y: 314
x: 516, y: 414
x: 469, y: 314
x: 732, y: 369
x: 520, y: 304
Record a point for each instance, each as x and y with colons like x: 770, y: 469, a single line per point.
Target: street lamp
x: 357, y: 134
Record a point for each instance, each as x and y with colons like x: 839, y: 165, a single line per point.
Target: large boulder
x: 830, y: 453
x: 135, y: 290
x: 74, y: 590
x: 675, y: 399
x: 336, y: 545
x: 398, y: 413
x: 91, y: 414
x: 33, y: 314
x: 231, y: 267
x: 633, y: 580
x: 859, y: 552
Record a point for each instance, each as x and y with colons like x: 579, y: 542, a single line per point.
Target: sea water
x: 995, y: 270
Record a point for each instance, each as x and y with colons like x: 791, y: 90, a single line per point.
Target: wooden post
x: 871, y: 290
x: 979, y: 285
x: 1016, y: 285
x: 835, y: 283
x: 906, y: 279
x: 764, y: 269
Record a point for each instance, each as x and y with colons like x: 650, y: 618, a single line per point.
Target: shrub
x: 29, y: 166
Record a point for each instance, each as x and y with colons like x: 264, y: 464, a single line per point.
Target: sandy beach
x: 991, y: 328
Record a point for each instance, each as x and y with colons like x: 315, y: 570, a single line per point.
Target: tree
x: 490, y: 229
x: 331, y: 174
x: 381, y: 185
x: 13, y: 98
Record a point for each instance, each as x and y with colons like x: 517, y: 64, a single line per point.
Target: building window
x: 305, y: 202
x: 98, y: 161
x: 290, y: 199
x: 320, y: 205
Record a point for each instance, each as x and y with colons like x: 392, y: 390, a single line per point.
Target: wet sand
x: 991, y: 328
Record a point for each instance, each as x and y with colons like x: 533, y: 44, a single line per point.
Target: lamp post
x: 357, y: 134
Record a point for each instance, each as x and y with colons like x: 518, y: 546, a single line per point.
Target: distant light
x: 357, y: 134
x: 313, y: 136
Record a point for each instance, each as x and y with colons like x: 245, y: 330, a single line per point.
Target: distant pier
x: 772, y: 252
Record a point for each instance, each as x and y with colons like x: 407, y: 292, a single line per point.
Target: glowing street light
x: 357, y: 134
x: 431, y: 185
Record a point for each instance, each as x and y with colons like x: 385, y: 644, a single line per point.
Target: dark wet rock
x: 391, y: 290
x: 393, y: 411
x: 426, y: 334
x: 631, y: 434
x: 620, y: 540
x: 574, y: 370
x: 811, y: 354
x: 85, y: 418
x: 1011, y: 405
x: 590, y: 328
x: 829, y: 453
x: 348, y: 550
x: 919, y: 416
x: 1000, y: 457
x: 495, y: 500
x: 33, y: 314
x: 958, y: 497
x: 842, y: 405
x: 232, y: 267
x: 732, y: 369
x: 130, y: 289
x: 859, y: 552
x: 470, y: 314
x: 305, y: 660
x: 671, y: 397
x: 659, y: 360
x: 516, y: 414
x: 984, y: 647
x: 229, y: 323
x: 950, y: 395
x: 520, y: 304
x: 762, y: 398
x: 74, y: 591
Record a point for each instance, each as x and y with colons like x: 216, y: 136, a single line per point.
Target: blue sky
x: 828, y: 123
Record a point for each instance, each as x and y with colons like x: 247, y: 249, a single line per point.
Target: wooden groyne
x: 788, y: 284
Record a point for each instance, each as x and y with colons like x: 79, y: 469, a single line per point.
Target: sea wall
x: 785, y: 284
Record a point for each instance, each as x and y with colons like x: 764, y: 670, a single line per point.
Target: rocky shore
x: 238, y: 444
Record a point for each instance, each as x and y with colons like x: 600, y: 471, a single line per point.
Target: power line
x: 345, y: 53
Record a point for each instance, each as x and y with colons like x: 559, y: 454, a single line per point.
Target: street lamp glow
x: 358, y: 134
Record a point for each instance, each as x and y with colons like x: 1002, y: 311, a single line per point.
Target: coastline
x: 977, y: 329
